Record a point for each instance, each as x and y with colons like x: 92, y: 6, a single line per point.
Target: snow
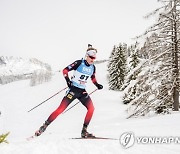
x: 18, y: 66
x: 109, y: 120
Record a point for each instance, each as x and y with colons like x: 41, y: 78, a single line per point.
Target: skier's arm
x: 93, y: 78
x: 70, y: 67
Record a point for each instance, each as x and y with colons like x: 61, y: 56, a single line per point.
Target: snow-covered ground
x: 109, y: 120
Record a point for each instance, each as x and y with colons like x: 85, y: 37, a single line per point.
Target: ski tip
x: 30, y: 138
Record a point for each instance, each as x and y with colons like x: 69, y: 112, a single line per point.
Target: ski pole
x: 47, y: 99
x: 78, y: 102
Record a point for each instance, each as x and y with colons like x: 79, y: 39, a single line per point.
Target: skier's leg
x: 63, y: 105
x: 87, y: 102
x: 90, y: 110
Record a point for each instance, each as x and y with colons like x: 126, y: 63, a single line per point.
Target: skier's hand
x: 99, y: 86
x: 69, y: 83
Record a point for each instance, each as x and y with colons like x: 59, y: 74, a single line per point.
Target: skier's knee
x: 91, y: 109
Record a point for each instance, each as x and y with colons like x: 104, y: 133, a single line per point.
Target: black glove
x: 69, y: 82
x: 99, y: 86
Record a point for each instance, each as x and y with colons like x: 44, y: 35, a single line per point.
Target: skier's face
x: 90, y: 59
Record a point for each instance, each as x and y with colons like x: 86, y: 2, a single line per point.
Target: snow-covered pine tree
x: 158, y: 84
x: 168, y: 32
x: 133, y: 61
x: 117, y: 67
x: 109, y: 66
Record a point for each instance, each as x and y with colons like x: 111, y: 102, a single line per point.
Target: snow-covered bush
x: 40, y: 76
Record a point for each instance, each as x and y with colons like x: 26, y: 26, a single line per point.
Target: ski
x: 31, y: 137
x: 102, y: 138
x: 79, y: 138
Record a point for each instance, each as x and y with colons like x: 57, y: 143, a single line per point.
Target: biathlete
x: 83, y: 70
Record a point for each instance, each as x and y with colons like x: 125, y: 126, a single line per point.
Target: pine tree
x: 134, y: 59
x: 132, y: 74
x: 117, y: 67
x: 110, y: 63
x: 168, y: 31
x: 157, y: 85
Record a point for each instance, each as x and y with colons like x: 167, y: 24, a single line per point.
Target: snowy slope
x: 18, y: 65
x: 17, y: 68
x: 109, y: 120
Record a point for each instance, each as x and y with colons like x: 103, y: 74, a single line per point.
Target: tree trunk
x: 175, y: 99
x: 175, y: 57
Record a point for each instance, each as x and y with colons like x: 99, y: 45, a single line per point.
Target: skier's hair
x: 91, y: 48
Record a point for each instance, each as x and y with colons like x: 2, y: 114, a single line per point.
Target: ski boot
x: 42, y: 129
x: 85, y: 134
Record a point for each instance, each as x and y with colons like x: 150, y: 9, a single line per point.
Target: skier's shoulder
x: 93, y: 65
x: 94, y: 68
x: 78, y: 62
